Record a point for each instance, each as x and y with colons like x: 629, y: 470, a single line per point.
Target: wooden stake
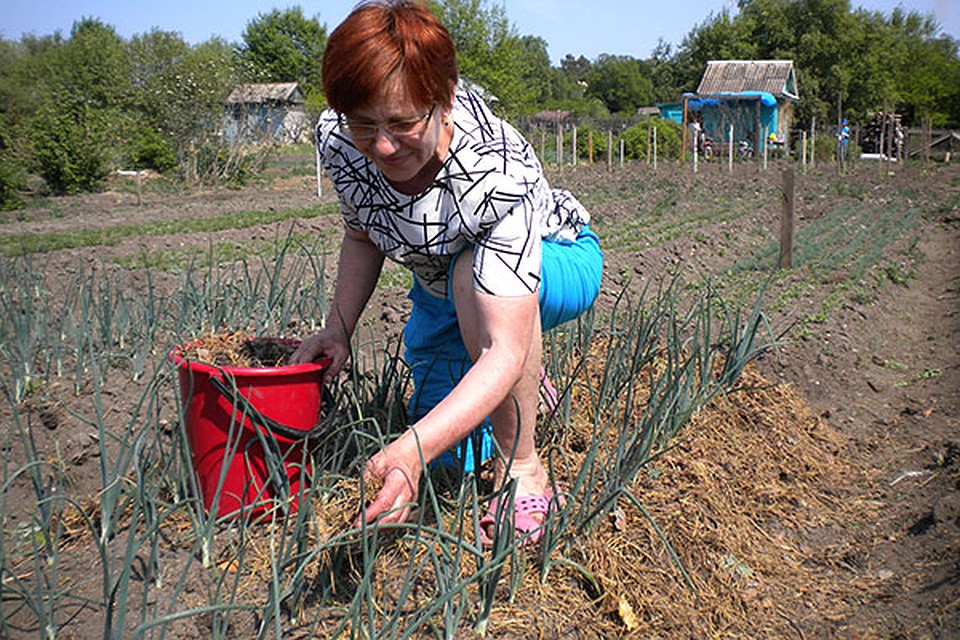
x: 786, y: 220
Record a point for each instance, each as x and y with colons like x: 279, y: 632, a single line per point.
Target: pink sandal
x: 549, y: 398
x: 528, y: 528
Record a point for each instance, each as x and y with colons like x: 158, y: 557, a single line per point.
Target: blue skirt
x: 570, y: 276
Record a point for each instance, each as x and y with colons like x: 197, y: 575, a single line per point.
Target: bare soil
x: 866, y: 408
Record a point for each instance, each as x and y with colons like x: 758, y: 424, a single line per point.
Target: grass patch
x: 839, y: 249
x: 393, y: 277
x: 220, y: 252
x: 55, y: 241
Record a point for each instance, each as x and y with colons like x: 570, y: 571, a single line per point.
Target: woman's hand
x: 327, y: 343
x: 400, y: 478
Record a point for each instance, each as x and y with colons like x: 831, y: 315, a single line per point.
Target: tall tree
x: 857, y: 59
x: 719, y: 37
x: 492, y: 54
x: 924, y: 69
x: 620, y: 83
x: 83, y: 88
x: 153, y: 56
x: 534, y: 70
x: 186, y: 100
x: 663, y: 73
x: 286, y: 46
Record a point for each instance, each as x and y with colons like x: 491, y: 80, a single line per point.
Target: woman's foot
x: 533, y: 498
x: 527, y: 518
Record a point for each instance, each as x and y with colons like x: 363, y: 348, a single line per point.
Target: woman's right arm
x: 357, y: 272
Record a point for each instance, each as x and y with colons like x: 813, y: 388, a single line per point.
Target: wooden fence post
x: 803, y: 153
x: 730, y: 150
x: 573, y: 147
x: 786, y: 220
x: 813, y: 143
x: 609, y: 150
x: 559, y: 145
x: 654, y: 148
x: 649, y: 138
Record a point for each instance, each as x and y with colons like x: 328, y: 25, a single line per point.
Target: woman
x: 429, y: 177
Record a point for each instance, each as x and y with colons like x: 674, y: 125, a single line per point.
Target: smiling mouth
x: 393, y: 162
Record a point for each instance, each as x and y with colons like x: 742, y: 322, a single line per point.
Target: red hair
x: 384, y: 38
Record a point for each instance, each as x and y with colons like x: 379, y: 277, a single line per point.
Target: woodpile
x: 884, y: 135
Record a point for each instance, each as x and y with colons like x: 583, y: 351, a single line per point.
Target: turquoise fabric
x: 438, y: 359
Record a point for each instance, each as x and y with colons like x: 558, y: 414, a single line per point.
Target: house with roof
x: 754, y: 98
x: 266, y: 112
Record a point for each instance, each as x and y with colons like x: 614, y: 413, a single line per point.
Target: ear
x: 448, y: 108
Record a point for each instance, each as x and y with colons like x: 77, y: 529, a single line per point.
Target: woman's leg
x: 570, y: 275
x: 514, y: 421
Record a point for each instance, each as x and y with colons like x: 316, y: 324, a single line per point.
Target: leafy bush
x: 638, y: 137
x: 12, y: 179
x: 148, y: 150
x: 827, y: 148
x: 599, y: 142
x: 72, y: 146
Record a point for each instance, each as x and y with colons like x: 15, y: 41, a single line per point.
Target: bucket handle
x: 245, y: 407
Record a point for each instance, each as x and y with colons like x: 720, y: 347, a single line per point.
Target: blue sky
x: 577, y: 27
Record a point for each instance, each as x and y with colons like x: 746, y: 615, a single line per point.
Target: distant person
x: 843, y: 139
x: 429, y: 177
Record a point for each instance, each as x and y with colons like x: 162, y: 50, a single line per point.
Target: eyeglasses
x: 397, y: 129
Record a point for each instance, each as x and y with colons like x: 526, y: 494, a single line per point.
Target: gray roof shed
x: 776, y: 77
x: 267, y: 93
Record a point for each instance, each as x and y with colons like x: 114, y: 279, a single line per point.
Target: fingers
x: 393, y: 502
x: 307, y: 351
x: 319, y: 346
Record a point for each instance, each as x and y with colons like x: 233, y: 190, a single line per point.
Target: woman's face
x: 398, y: 136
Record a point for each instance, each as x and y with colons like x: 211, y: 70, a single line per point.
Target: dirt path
x: 888, y: 377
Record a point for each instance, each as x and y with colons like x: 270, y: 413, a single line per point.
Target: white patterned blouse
x: 490, y: 194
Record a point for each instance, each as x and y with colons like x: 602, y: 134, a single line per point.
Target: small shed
x: 755, y: 97
x: 266, y: 112
x: 671, y: 111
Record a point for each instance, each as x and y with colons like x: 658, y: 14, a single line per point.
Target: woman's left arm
x: 498, y: 332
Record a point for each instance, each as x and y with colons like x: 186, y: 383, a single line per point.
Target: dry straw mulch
x: 239, y: 349
x: 748, y: 481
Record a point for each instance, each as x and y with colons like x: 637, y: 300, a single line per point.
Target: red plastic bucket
x: 247, y: 429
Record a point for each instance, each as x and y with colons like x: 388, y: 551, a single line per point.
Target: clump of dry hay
x: 749, y: 476
x: 239, y: 349
x: 740, y: 490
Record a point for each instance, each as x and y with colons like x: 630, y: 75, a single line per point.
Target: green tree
x: 924, y: 70
x: 534, y: 72
x: 638, y: 139
x: 286, y: 46
x: 663, y: 73
x: 572, y: 78
x: 492, y: 54
x: 620, y: 83
x: 719, y: 37
x: 83, y: 87
x: 185, y: 101
x: 15, y: 107
x: 859, y: 60
x: 153, y: 57
x: 153, y: 53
